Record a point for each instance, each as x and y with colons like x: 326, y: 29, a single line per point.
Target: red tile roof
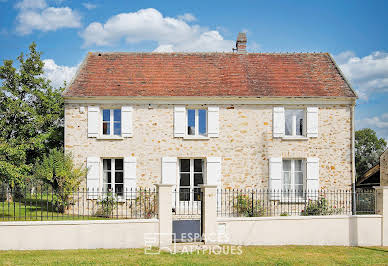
x: 209, y: 74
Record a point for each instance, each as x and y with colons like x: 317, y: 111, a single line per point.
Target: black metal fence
x: 263, y: 202
x: 42, y: 202
x: 186, y: 202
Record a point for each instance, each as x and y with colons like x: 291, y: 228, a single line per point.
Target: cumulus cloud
x: 367, y: 74
x: 187, y: 17
x: 171, y: 34
x: 378, y: 123
x: 58, y: 74
x: 36, y: 15
x: 89, y: 6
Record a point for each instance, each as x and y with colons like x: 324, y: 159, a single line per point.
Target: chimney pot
x: 241, y: 43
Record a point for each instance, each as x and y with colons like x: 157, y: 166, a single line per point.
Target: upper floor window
x: 196, y: 122
x: 294, y: 122
x: 111, y: 122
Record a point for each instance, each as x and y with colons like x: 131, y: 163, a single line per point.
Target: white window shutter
x: 179, y: 121
x: 213, y: 175
x: 93, y: 177
x: 93, y: 121
x: 278, y: 123
x: 312, y: 178
x: 126, y: 121
x: 169, y: 176
x: 213, y: 121
x: 312, y: 122
x: 130, y: 177
x: 275, y: 178
x: 213, y: 167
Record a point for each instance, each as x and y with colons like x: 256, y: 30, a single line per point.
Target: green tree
x: 59, y: 171
x: 31, y: 116
x: 368, y: 148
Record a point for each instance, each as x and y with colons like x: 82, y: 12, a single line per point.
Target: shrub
x: 248, y: 207
x: 320, y: 207
x: 107, y: 205
x: 59, y: 171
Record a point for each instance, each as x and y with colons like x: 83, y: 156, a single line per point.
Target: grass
x: 36, y: 209
x: 264, y: 255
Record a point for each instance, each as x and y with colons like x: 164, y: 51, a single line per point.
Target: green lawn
x: 274, y: 255
x: 36, y: 210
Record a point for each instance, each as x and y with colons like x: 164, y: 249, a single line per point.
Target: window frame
x: 196, y: 123
x: 293, y: 195
x: 113, y: 177
x: 111, y: 123
x: 293, y: 123
x: 191, y: 174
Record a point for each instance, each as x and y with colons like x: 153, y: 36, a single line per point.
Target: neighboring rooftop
x: 209, y: 74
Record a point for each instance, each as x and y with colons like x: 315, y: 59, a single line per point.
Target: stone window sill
x: 110, y: 138
x: 295, y: 138
x: 196, y: 138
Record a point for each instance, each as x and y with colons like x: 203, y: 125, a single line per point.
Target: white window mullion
x: 294, y: 125
x: 113, y: 175
x: 111, y: 121
x: 196, y: 123
x: 191, y: 178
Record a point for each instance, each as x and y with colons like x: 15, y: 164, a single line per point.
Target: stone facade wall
x: 384, y: 169
x: 245, y: 143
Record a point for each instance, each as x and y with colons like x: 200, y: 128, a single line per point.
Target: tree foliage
x: 31, y: 116
x: 368, y: 148
x: 59, y: 171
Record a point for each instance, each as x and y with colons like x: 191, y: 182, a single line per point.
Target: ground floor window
x: 293, y: 176
x: 190, y: 177
x: 113, y: 178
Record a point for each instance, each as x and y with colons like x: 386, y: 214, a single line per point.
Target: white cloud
x: 89, y: 6
x: 35, y: 15
x: 378, y: 123
x: 31, y: 4
x: 58, y: 74
x: 187, y: 17
x: 368, y: 74
x: 171, y: 34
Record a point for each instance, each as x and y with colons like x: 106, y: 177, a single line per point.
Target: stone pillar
x: 209, y: 213
x: 382, y: 209
x: 165, y: 214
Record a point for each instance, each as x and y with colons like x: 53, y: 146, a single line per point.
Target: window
x: 294, y: 119
x: 113, y: 177
x: 111, y: 122
x: 190, y: 177
x: 293, y: 176
x: 196, y: 122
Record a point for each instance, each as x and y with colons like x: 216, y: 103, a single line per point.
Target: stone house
x: 235, y: 120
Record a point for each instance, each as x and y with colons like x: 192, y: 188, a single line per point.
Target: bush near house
x: 320, y: 207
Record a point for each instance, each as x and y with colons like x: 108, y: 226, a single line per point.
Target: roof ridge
x: 196, y: 53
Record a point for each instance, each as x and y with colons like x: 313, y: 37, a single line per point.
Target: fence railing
x: 263, y: 202
x: 41, y: 202
x: 186, y: 202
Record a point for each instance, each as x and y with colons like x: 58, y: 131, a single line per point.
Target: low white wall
x: 76, y: 234
x: 362, y: 230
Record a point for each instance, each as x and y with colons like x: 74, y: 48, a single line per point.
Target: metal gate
x: 186, y: 213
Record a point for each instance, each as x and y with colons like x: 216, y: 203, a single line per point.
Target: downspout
x: 353, y: 161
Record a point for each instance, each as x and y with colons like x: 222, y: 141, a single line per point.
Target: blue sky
x: 354, y: 32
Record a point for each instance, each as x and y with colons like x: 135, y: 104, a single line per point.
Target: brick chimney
x: 241, y: 43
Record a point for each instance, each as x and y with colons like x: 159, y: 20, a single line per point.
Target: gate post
x: 382, y: 209
x: 165, y: 214
x: 209, y: 213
